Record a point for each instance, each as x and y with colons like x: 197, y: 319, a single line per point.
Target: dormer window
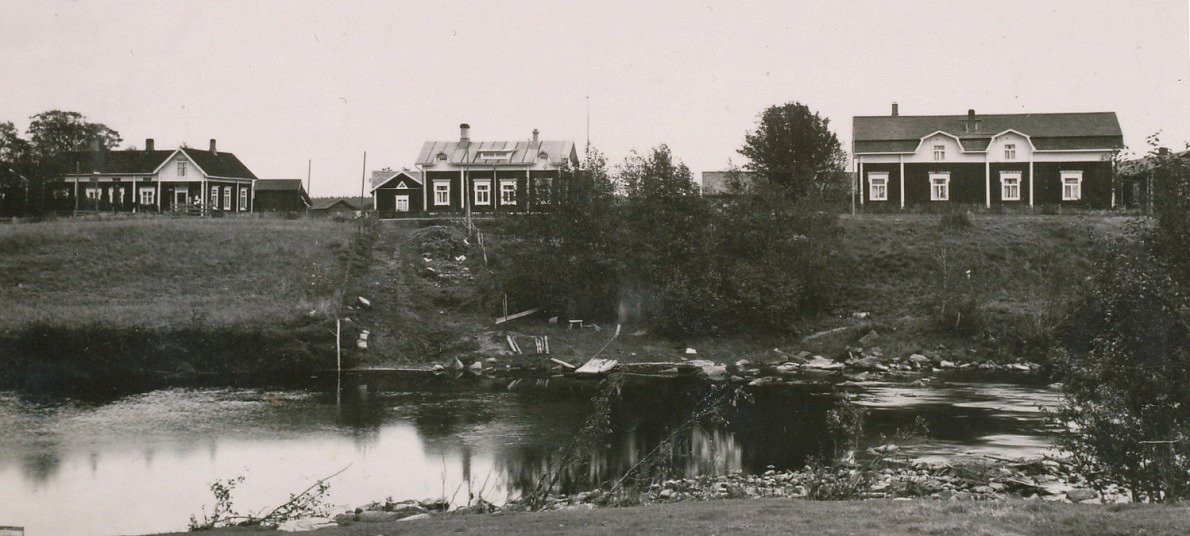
x: 543, y: 156
x: 495, y: 156
x: 441, y: 157
x: 1009, y: 151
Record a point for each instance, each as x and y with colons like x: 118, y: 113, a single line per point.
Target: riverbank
x: 164, y: 299
x: 785, y: 516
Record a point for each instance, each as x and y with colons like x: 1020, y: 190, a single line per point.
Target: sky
x: 287, y: 84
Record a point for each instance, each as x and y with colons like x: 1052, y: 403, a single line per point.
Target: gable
x: 1054, y: 131
x: 401, y: 180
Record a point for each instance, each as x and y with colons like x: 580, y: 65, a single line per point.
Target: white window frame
x: 181, y: 168
x: 939, y: 152
x: 227, y: 198
x: 441, y: 193
x: 243, y: 199
x: 1010, y: 185
x: 507, y: 192
x: 214, y: 202
x: 1010, y: 151
x: 401, y: 203
x: 495, y: 156
x: 940, y: 186
x: 1072, y: 185
x: 92, y: 193
x: 148, y: 195
x: 483, y: 192
x: 878, y: 186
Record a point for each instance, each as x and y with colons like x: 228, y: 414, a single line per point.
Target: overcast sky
x: 282, y: 82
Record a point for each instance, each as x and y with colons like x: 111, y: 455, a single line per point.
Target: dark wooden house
x: 999, y: 160
x: 281, y: 195
x: 398, y: 193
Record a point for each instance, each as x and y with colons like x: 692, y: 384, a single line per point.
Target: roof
x: 1145, y: 163
x: 138, y: 162
x: 379, y: 178
x: 1051, y: 131
x: 329, y: 203
x: 522, y: 153
x: 273, y: 185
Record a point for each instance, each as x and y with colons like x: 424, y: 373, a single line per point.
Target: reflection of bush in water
x: 644, y: 431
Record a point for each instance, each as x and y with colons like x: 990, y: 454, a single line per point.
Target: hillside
x: 176, y: 296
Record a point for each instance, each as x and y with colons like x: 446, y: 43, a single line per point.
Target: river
x: 143, y: 462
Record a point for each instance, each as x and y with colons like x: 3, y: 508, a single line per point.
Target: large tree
x: 794, y: 148
x: 55, y: 132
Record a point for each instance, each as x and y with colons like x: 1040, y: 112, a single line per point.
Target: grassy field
x: 163, y: 272
x: 777, y: 516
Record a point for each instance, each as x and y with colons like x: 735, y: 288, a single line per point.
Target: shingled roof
x: 1051, y: 131
x: 137, y: 162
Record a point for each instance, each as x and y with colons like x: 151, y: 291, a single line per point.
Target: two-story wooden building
x: 481, y: 177
x: 1002, y: 160
x: 180, y: 180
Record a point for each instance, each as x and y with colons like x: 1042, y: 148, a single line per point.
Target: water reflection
x: 65, y: 461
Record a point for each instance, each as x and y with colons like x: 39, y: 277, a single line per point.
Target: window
x: 402, y: 203
x: 939, y: 186
x: 1010, y: 186
x: 441, y: 193
x: 243, y: 199
x: 507, y: 192
x: 1072, y: 185
x: 483, y: 193
x: 541, y: 190
x: 181, y: 168
x: 878, y: 186
x: 93, y: 193
x: 1010, y: 151
x: 939, y: 152
x: 441, y: 157
x: 495, y: 156
x: 227, y: 198
x: 147, y: 196
x: 214, y: 197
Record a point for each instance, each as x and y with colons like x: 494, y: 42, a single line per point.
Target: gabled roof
x: 1145, y: 163
x: 1052, y: 131
x: 379, y: 179
x: 520, y: 153
x: 276, y: 185
x: 137, y: 162
x: 327, y: 204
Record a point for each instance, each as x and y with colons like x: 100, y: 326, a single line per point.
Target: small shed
x: 398, y: 193
x: 281, y: 195
x: 335, y: 207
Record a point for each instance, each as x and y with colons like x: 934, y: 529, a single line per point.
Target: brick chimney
x: 213, y: 151
x: 972, y: 122
x: 535, y: 136
x: 149, y: 146
x: 464, y: 133
x: 895, y: 112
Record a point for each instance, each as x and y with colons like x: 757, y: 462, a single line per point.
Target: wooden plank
x: 504, y: 319
x: 597, y: 366
x: 563, y: 363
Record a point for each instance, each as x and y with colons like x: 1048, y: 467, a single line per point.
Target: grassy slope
x: 783, y: 516
x: 169, y: 272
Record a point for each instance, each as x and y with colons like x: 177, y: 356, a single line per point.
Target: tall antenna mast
x: 588, y: 150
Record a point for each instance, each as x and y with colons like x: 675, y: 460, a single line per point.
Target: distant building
x: 482, y: 177
x: 334, y: 207
x: 1136, y: 179
x: 1005, y: 160
x: 181, y: 180
x: 281, y: 195
x: 720, y: 183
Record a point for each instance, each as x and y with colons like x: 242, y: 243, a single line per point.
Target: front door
x: 181, y: 199
x: 402, y: 203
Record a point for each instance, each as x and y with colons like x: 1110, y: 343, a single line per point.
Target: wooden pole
x: 338, y: 361
x: 362, y: 180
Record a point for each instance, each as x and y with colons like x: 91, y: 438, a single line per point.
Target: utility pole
x: 363, y: 179
x: 309, y: 165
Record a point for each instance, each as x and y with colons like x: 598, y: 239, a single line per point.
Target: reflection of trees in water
x: 41, y: 462
x: 665, y: 429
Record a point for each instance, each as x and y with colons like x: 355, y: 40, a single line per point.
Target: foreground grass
x: 159, y: 272
x: 777, y: 516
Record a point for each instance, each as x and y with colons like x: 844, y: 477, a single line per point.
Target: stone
x: 963, y: 496
x: 821, y: 363
x: 919, y: 359
x: 416, y: 517
x: 870, y: 338
x: 1080, y: 495
x: 946, y: 364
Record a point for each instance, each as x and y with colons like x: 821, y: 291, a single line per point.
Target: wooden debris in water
x: 597, y: 366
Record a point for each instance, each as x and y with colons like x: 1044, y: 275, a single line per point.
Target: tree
x: 55, y: 132
x: 14, y: 166
x: 1128, y: 387
x: 795, y: 149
